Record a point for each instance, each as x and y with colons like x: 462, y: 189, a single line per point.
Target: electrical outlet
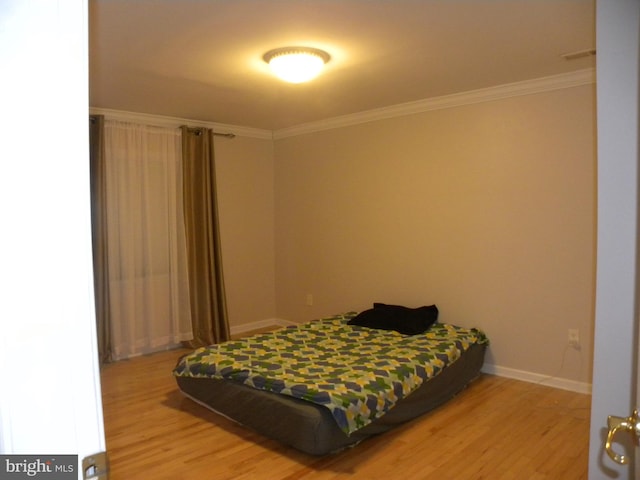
x: 574, y: 338
x: 309, y: 299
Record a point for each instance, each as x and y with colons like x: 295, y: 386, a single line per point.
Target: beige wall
x: 486, y: 210
x: 244, y: 169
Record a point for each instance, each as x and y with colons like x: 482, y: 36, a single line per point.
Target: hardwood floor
x: 496, y: 429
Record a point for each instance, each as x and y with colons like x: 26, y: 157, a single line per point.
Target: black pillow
x: 408, y: 321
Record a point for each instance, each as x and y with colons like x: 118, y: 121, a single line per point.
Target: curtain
x: 97, y: 169
x: 148, y: 285
x: 206, y: 286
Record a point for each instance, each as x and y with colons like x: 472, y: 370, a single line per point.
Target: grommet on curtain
x: 193, y: 130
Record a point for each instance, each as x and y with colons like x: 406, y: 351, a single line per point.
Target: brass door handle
x: 629, y: 424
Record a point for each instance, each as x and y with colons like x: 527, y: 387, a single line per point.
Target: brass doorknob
x: 629, y: 424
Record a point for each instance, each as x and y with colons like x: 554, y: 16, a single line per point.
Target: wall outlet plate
x: 574, y: 337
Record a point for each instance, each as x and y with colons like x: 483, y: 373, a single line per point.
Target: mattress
x: 327, y: 385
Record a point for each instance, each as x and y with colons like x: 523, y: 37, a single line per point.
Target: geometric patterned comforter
x: 358, y: 373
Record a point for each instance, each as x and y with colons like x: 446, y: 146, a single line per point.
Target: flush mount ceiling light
x: 296, y: 64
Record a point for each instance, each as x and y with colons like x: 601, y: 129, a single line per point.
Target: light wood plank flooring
x: 496, y: 429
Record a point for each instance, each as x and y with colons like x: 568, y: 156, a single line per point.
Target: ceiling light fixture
x: 296, y: 64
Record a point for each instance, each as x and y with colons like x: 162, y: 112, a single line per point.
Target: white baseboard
x: 247, y: 327
x: 550, y: 381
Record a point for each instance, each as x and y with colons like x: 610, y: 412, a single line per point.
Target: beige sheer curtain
x: 206, y: 285
x: 99, y: 235
x: 148, y: 284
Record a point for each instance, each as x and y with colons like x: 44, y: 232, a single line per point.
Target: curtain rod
x: 198, y: 131
x: 228, y: 135
x: 218, y: 134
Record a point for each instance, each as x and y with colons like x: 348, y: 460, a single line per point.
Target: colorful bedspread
x: 357, y: 373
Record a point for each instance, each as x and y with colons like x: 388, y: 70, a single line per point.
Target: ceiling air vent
x: 580, y: 54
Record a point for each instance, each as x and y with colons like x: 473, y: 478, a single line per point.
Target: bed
x: 333, y: 382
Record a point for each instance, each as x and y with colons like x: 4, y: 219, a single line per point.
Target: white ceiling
x: 202, y: 59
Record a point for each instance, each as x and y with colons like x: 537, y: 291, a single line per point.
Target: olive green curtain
x: 99, y: 235
x: 206, y: 286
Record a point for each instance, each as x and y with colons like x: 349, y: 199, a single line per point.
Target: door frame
x: 50, y: 402
x: 614, y: 376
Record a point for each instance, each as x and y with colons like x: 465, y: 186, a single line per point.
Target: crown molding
x: 176, y: 122
x: 527, y: 87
